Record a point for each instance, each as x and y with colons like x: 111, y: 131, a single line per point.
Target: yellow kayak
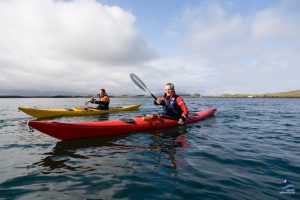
x: 77, y: 111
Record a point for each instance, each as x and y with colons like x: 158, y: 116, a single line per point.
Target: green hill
x: 293, y: 93
x: 289, y: 94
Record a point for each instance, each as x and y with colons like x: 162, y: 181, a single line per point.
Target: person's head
x: 169, y: 89
x: 102, y: 92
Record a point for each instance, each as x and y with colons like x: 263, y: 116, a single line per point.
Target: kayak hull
x: 82, y: 130
x: 77, y: 111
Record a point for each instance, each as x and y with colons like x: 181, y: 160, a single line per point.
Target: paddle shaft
x: 86, y: 103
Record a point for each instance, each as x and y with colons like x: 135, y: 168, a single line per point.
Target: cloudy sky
x: 202, y: 46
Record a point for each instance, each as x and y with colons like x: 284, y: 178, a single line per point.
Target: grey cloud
x: 66, y: 44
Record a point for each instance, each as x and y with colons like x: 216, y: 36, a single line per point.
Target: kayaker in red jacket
x: 103, y: 101
x: 173, y: 105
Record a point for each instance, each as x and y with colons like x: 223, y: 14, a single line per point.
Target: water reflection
x: 65, y: 151
x: 166, y: 141
x: 90, y: 154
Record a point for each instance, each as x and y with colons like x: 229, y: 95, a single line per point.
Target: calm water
x: 244, y: 152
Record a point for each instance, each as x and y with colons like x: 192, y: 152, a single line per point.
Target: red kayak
x: 81, y: 130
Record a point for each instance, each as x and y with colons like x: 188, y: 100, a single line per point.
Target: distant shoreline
x: 184, y: 96
x: 288, y: 94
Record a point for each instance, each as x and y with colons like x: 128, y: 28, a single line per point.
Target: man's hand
x: 159, y: 100
x: 180, y: 121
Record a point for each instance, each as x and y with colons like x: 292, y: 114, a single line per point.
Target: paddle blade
x: 138, y: 82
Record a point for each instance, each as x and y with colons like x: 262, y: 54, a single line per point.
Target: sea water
x: 245, y: 151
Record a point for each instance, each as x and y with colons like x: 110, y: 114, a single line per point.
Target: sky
x: 210, y: 47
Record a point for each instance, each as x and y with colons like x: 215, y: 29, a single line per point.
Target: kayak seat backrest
x: 128, y: 120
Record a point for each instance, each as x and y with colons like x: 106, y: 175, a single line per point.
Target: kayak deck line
x: 111, y: 128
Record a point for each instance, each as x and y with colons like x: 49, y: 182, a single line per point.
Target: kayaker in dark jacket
x: 103, y: 101
x: 173, y: 105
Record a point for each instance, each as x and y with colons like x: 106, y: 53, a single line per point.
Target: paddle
x: 138, y: 82
x: 86, y: 103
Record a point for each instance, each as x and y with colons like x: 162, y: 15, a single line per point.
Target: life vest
x: 103, y: 103
x: 105, y: 98
x: 171, y: 107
